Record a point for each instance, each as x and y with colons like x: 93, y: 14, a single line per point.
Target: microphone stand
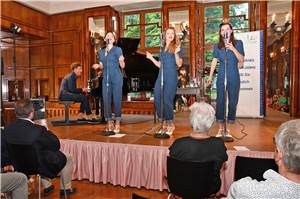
x: 161, y: 134
x: 107, y: 133
x: 226, y: 137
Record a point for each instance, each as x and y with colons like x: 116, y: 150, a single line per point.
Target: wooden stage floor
x: 259, y: 132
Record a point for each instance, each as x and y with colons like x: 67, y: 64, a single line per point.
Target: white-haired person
x: 199, y: 145
x: 285, y: 183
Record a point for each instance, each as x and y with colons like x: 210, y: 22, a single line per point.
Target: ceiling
x: 60, y: 6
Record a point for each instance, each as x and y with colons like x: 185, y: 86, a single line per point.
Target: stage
x: 139, y: 160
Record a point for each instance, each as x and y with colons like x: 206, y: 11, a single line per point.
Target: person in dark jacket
x: 199, y: 146
x: 69, y: 92
x: 25, y: 131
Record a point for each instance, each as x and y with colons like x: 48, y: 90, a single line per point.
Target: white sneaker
x: 220, y: 133
x: 227, y: 134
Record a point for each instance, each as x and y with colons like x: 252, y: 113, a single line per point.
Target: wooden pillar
x: 295, y: 64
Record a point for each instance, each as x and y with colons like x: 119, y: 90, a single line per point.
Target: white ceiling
x: 60, y: 6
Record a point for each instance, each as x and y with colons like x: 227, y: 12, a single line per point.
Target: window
x: 237, y: 15
x: 145, y: 25
x: 153, y: 29
x: 132, y: 27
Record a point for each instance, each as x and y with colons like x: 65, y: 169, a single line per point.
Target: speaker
x: 39, y: 106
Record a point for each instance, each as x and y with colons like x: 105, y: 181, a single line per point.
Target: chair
x: 253, y: 167
x: 26, y: 160
x: 192, y: 179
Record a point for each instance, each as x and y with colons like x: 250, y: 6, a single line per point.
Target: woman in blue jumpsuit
x: 111, y: 59
x: 231, y: 51
x: 170, y: 58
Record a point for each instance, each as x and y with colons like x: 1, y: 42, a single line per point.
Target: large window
x: 144, y: 25
x: 236, y: 14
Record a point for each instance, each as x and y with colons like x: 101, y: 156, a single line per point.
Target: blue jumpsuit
x: 170, y: 77
x: 112, y: 81
x: 232, y: 84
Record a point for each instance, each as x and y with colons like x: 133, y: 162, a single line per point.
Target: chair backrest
x: 253, y: 167
x: 192, y: 179
x: 25, y: 158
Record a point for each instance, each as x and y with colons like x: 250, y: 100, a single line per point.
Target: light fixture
x: 280, y: 29
x: 14, y: 28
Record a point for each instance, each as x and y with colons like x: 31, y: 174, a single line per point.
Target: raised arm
x: 178, y: 59
x: 155, y: 62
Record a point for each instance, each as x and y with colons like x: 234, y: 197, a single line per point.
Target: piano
x: 140, y: 72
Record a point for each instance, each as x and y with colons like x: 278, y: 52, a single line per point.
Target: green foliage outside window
x: 241, y: 22
x: 152, y: 31
x: 132, y: 31
x: 152, y: 38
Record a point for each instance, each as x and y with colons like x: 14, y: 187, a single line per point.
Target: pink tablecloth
x: 134, y: 165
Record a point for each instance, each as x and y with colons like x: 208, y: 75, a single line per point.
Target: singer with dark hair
x: 111, y: 61
x: 230, y: 53
x: 170, y: 59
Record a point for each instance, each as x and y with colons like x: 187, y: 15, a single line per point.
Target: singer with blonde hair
x: 111, y: 61
x: 170, y: 58
x: 230, y: 53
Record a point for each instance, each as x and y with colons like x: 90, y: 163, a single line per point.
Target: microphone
x: 225, y: 39
x: 161, y: 36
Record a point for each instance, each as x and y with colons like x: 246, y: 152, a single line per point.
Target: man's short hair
x: 202, y: 117
x: 75, y: 65
x: 287, y: 139
x: 23, y: 108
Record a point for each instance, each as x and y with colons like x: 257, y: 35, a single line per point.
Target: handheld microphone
x: 225, y: 39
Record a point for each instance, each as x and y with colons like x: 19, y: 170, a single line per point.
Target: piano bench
x: 67, y: 107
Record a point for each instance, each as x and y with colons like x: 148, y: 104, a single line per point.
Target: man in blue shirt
x: 69, y: 92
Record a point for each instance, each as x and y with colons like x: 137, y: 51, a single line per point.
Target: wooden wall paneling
x: 62, y: 54
x: 295, y: 64
x: 59, y: 74
x: 32, y: 22
x: 41, y: 81
x: 67, y: 42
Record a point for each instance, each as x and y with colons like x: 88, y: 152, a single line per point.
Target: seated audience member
x: 11, y: 181
x: 16, y: 183
x: 25, y: 131
x: 199, y: 146
x: 69, y: 92
x: 286, y: 183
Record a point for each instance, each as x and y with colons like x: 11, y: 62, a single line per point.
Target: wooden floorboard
x: 259, y: 137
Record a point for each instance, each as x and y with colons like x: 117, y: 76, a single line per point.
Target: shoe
x: 81, y: 119
x: 68, y: 191
x: 170, y: 129
x: 93, y: 121
x: 227, y: 134
x: 220, y: 133
x: 110, y: 126
x: 48, y: 190
x: 117, y: 127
